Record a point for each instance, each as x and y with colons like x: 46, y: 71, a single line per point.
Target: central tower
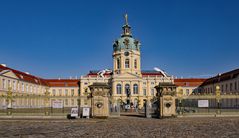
x: 126, y: 52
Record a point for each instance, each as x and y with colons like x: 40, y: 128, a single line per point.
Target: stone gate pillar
x: 100, y: 100
x: 166, y: 94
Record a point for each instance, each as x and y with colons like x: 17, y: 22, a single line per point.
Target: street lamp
x: 180, y: 94
x: 47, y: 93
x: 9, y: 101
x: 218, y: 98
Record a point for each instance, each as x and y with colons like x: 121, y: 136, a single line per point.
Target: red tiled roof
x: 62, y: 82
x: 189, y: 82
x: 222, y: 77
x: 40, y: 81
x: 25, y: 77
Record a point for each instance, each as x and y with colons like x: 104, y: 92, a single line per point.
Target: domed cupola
x: 126, y: 42
x: 126, y: 54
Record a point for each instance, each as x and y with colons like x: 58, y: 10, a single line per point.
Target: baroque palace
x: 127, y: 82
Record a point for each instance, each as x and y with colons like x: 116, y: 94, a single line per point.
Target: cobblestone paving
x: 122, y: 127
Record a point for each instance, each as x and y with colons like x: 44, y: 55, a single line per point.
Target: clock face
x: 126, y: 53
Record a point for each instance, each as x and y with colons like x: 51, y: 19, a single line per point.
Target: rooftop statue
x: 103, y: 72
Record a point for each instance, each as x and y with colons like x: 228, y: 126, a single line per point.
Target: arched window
x: 127, y: 89
x: 126, y: 63
x: 135, y: 63
x: 136, y: 89
x: 118, y: 88
x: 118, y: 63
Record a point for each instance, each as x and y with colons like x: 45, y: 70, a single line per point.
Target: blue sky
x: 51, y: 39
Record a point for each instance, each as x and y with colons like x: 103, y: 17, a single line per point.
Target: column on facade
x: 140, y: 92
x: 131, y: 62
x: 115, y: 62
x: 123, y: 90
x: 81, y: 88
x: 131, y: 90
x: 148, y: 89
x: 114, y: 88
x: 122, y: 62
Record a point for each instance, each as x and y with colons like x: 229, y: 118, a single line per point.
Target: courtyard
x: 124, y: 126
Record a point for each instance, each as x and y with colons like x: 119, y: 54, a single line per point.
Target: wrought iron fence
x: 208, y: 105
x: 36, y: 105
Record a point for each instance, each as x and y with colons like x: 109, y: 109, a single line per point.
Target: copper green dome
x: 126, y: 42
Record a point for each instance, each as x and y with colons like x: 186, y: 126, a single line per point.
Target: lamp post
x: 218, y: 98
x: 79, y: 102
x: 47, y: 93
x: 9, y: 101
x: 128, y: 93
x: 180, y: 94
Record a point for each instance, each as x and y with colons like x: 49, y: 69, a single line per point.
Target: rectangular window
x: 118, y: 63
x: 144, y: 92
x: 14, y: 85
x: 222, y: 88
x: 187, y: 91
x: 235, y: 85
x: 72, y: 92
x: 27, y: 87
x: 72, y: 102
x: 9, y: 83
x: 135, y: 63
x: 53, y: 92
x: 3, y: 83
x: 60, y: 92
x: 31, y: 88
x: 152, y: 92
x: 66, y: 92
x: 66, y: 101
x: 22, y: 87
x: 127, y: 63
x: 230, y: 87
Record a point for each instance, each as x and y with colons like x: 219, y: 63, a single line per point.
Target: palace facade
x: 127, y: 82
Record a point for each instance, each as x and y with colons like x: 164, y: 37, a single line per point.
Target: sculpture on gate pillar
x: 166, y: 96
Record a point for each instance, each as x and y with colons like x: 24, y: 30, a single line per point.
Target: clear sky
x: 51, y: 39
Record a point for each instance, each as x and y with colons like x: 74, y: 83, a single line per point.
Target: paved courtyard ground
x: 122, y: 127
